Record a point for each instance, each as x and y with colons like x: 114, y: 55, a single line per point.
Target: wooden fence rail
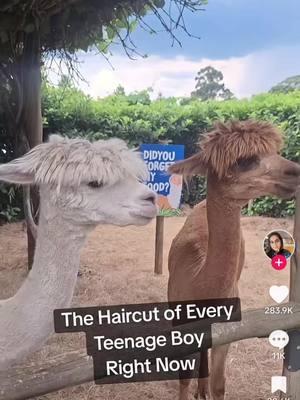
x: 75, y: 368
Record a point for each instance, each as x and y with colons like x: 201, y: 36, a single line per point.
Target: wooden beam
x: 159, y: 245
x: 293, y: 377
x: 27, y: 381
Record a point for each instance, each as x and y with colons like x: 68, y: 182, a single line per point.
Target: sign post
x: 159, y: 245
x: 158, y: 158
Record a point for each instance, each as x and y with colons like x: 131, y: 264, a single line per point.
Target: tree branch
x: 28, y: 212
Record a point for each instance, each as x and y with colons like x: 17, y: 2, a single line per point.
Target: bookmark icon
x: 279, y: 383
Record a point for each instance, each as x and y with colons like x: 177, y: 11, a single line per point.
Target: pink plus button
x: 279, y: 262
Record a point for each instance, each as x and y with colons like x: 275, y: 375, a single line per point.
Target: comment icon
x: 279, y: 339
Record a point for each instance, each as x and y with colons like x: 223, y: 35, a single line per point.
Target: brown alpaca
x: 241, y: 162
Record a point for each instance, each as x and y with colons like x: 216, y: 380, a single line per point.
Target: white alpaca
x: 81, y: 184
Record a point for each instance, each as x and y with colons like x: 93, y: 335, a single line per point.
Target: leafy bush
x: 8, y: 211
x: 272, y: 207
x: 180, y: 120
x: 10, y: 196
x: 134, y: 118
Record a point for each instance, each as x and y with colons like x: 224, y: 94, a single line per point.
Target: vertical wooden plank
x: 295, y: 261
x: 159, y: 245
x: 249, y: 207
x: 293, y: 377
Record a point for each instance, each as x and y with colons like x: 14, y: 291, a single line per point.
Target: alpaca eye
x: 246, y: 164
x: 95, y: 184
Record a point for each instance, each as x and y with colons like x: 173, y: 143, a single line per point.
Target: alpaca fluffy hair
x: 71, y: 162
x: 227, y: 143
x: 221, y: 148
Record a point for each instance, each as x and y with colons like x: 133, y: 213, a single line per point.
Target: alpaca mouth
x: 285, y: 191
x: 147, y: 212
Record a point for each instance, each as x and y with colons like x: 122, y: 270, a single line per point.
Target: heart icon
x: 279, y: 293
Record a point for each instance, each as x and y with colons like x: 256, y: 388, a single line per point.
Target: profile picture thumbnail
x: 279, y: 242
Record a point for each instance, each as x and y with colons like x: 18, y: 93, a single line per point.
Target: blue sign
x: 158, y: 158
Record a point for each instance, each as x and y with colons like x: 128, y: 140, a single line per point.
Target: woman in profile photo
x: 276, y: 246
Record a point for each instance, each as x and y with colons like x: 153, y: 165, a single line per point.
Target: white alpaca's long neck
x: 26, y: 319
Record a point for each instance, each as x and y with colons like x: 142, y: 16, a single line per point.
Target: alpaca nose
x: 293, y: 170
x: 149, y: 196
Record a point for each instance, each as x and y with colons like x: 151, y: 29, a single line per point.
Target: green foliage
x: 137, y: 119
x: 72, y: 25
x: 170, y: 213
x: 194, y: 190
x: 67, y: 26
x: 272, y: 207
x: 142, y: 97
x: 31, y: 31
x: 210, y: 86
x: 9, y: 212
x: 70, y: 112
x: 10, y: 198
x: 288, y: 85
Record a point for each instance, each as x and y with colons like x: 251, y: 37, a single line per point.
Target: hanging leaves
x: 159, y: 3
x: 70, y: 26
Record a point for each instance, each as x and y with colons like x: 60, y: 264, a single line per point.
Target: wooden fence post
x: 159, y: 245
x: 249, y: 207
x: 293, y: 376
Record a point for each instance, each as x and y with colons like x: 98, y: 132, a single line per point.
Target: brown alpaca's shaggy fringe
x: 221, y: 148
x: 229, y: 142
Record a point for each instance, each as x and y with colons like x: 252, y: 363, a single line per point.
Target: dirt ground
x: 117, y: 267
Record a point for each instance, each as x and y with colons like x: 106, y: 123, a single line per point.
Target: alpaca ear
x: 15, y: 172
x: 194, y: 165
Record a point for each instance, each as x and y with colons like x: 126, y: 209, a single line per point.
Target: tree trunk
x: 31, y: 120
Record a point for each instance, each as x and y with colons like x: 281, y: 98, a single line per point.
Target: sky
x: 255, y: 44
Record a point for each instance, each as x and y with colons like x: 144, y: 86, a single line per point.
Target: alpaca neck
x: 27, y: 317
x: 224, y: 239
